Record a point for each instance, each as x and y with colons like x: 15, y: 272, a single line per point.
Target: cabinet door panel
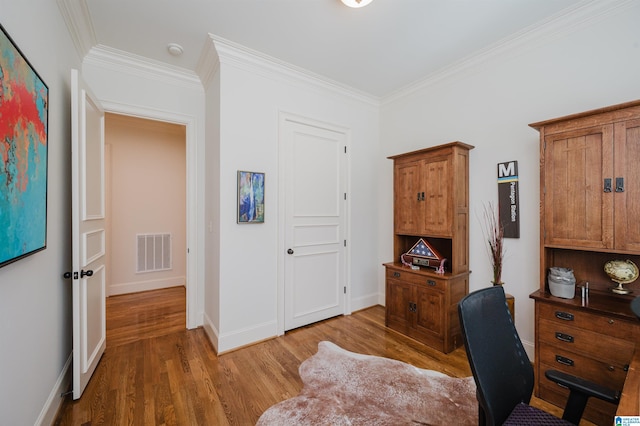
x: 437, y: 208
x: 430, y: 306
x: 627, y: 202
x: 578, y: 212
x: 399, y: 295
x: 406, y: 212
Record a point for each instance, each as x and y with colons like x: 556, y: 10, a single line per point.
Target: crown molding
x: 569, y: 20
x: 78, y: 20
x: 256, y: 62
x: 208, y: 63
x: 118, y: 60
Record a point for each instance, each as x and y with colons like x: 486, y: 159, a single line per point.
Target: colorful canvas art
x: 23, y: 155
x: 250, y: 197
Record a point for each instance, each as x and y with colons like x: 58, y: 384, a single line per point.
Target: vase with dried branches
x: 494, y: 234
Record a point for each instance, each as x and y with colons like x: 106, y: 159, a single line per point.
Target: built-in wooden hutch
x: 431, y: 201
x: 589, y: 215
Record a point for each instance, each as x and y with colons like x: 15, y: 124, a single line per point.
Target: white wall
x: 147, y: 177
x: 35, y: 301
x: 583, y: 62
x: 212, y: 304
x: 253, y: 93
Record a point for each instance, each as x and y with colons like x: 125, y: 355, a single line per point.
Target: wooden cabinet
x: 592, y: 181
x: 422, y: 196
x: 424, y: 305
x: 589, y: 204
x: 431, y: 201
x: 596, y: 342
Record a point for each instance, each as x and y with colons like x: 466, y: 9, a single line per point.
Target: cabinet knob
x: 396, y: 274
x: 611, y: 368
x: 611, y: 321
x: 432, y: 283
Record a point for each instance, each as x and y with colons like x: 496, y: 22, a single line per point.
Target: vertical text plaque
x: 508, y: 199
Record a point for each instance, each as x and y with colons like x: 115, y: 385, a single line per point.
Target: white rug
x: 346, y: 388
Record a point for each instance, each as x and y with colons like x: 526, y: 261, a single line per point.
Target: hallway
x: 138, y: 316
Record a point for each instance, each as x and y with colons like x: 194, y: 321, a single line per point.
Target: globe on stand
x: 621, y: 272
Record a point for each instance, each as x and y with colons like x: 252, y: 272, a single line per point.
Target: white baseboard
x: 247, y: 336
x: 364, y: 302
x: 53, y: 403
x: 138, y: 286
x: 211, y: 331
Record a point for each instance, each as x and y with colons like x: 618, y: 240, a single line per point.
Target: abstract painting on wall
x: 250, y: 197
x: 24, y: 111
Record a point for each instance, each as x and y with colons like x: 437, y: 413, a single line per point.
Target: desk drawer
x: 418, y: 279
x: 601, y: 347
x: 578, y: 318
x: 602, y: 372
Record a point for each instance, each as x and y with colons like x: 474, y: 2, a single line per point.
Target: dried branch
x: 494, y: 234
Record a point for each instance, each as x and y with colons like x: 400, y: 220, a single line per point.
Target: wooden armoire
x: 589, y: 215
x: 431, y: 201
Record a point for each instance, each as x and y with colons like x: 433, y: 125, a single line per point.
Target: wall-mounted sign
x: 508, y: 203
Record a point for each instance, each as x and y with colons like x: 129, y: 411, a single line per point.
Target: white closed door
x: 88, y: 233
x: 315, y: 211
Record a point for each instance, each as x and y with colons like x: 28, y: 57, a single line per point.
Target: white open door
x: 88, y: 233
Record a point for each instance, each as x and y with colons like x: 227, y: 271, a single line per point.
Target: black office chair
x: 503, y: 372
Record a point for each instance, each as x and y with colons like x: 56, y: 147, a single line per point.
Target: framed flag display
x: 424, y: 254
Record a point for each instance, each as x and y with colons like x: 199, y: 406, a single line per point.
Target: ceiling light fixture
x: 356, y: 3
x: 175, y: 49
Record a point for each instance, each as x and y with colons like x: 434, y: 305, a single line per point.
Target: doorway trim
x: 283, y: 118
x: 193, y: 284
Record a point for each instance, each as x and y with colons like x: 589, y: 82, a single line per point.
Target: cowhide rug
x: 346, y: 388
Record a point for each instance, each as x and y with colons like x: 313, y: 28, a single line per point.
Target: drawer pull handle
x: 566, y: 316
x: 431, y: 283
x: 396, y: 274
x: 564, y: 360
x: 564, y: 337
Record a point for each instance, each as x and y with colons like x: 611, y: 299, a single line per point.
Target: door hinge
x: 345, y: 289
x: 345, y: 243
x: 345, y: 196
x: 345, y: 149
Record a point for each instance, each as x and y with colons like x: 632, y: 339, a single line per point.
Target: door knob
x: 83, y: 274
x: 290, y: 251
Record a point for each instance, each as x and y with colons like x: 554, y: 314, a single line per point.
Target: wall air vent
x: 154, y: 252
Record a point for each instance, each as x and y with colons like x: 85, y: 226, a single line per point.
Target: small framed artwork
x: 24, y: 107
x: 250, y: 197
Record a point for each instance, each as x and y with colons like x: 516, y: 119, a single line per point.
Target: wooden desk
x: 630, y: 398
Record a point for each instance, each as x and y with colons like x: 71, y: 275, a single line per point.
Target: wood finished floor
x: 155, y: 372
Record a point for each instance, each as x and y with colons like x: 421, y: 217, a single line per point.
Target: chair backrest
x: 500, y: 365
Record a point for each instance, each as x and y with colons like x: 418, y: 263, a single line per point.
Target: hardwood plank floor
x: 155, y: 372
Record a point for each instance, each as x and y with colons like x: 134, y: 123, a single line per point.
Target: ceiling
x: 376, y: 50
